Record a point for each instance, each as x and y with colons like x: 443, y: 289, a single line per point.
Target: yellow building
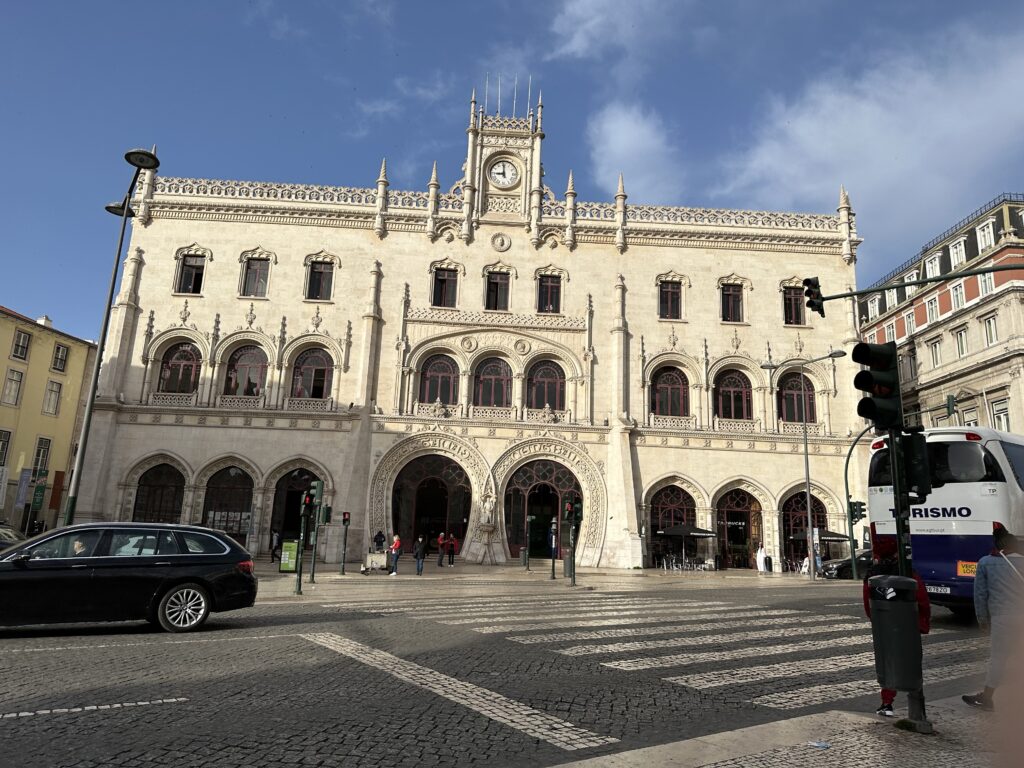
x: 45, y: 378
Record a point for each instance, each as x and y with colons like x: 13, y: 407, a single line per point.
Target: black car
x: 171, y: 575
x: 843, y: 569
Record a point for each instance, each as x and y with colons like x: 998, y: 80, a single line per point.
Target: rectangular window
x: 670, y: 300
x: 991, y: 330
x: 321, y: 277
x: 957, y: 252
x: 550, y: 294
x: 1001, y: 415
x: 911, y: 363
x: 911, y: 277
x: 732, y: 302
x: 961, y: 342
x: 21, y: 341
x: 60, y: 358
x: 190, y: 278
x: 932, y: 308
x: 970, y: 417
x: 873, y: 303
x: 935, y: 349
x: 957, y: 293
x: 890, y: 332
x: 42, y: 458
x: 51, y: 399
x: 890, y: 298
x: 12, y: 387
x: 497, y: 291
x: 254, y: 283
x: 446, y: 282
x: 931, y: 266
x: 5, y: 443
x: 986, y: 284
x: 986, y: 235
x: 910, y: 322
x: 793, y: 306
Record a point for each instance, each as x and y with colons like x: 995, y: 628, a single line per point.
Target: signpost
x: 289, y: 556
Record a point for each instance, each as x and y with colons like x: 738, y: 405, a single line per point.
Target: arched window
x: 439, y: 379
x: 493, y: 383
x: 312, y: 374
x: 672, y: 506
x: 247, y: 371
x: 733, y: 396
x: 796, y: 398
x: 179, y: 370
x: 794, y: 524
x: 545, y: 385
x: 670, y: 393
x: 228, y: 502
x: 159, y: 495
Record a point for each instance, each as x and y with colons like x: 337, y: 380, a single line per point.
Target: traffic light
x: 950, y: 405
x: 346, y: 518
x: 916, y: 468
x: 577, y: 510
x: 857, y: 511
x: 567, y: 514
x: 881, y: 382
x: 317, y: 489
x: 326, y: 512
x: 812, y: 291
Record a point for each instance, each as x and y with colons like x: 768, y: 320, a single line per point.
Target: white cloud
x: 635, y: 141
x: 379, y: 107
x: 590, y: 28
x: 918, y: 138
x: 429, y: 89
x: 280, y: 26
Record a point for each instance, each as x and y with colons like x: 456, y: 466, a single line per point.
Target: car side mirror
x: 21, y: 558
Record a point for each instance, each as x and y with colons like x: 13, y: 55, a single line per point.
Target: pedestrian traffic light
x: 916, y: 468
x: 326, y: 512
x: 857, y: 511
x: 812, y: 291
x: 567, y: 514
x: 317, y: 489
x: 950, y: 405
x: 882, y: 382
x: 577, y: 510
x: 346, y: 518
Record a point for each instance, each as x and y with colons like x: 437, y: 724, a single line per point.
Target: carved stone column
x: 518, y: 403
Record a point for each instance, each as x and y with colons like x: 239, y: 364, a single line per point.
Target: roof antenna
x: 487, y: 87
x: 515, y: 94
x: 499, y: 94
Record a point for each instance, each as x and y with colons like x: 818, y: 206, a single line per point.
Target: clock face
x: 503, y: 174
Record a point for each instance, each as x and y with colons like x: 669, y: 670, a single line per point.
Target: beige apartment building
x: 45, y: 378
x: 472, y: 357
x: 963, y: 336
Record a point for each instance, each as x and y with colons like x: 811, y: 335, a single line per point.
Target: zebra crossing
x: 718, y: 647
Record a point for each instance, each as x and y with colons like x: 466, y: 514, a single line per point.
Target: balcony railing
x: 548, y: 415
x: 173, y: 399
x: 240, y: 402
x: 438, y: 410
x: 797, y: 428
x: 737, y: 425
x: 673, y: 422
x: 313, y: 404
x: 494, y: 413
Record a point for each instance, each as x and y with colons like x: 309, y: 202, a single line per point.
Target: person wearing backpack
x: 998, y: 603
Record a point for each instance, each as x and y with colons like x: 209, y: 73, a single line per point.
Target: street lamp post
x: 554, y: 544
x: 141, y: 160
x: 811, y: 554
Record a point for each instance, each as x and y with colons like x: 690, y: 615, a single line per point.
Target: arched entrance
x: 227, y: 504
x: 539, y: 489
x: 159, y: 496
x: 669, y: 507
x: 794, y: 526
x: 739, y: 529
x: 431, y: 495
x: 288, y: 495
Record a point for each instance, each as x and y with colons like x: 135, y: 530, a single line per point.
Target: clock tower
x: 504, y: 179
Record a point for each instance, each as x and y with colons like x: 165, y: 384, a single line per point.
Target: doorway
x: 539, y: 489
x: 431, y: 496
x: 288, y: 494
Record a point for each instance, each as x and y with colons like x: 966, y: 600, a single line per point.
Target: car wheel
x: 964, y: 613
x: 184, y: 608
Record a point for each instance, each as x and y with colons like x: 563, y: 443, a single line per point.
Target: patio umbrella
x: 688, y: 530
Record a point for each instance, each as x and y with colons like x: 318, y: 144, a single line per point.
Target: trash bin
x: 718, y: 562
x: 895, y: 632
x: 567, y: 566
x: 524, y: 556
x: 768, y: 563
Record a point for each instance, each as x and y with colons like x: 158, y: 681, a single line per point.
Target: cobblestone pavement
x: 444, y: 672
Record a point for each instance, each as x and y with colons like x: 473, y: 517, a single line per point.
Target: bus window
x: 1015, y: 455
x: 880, y: 471
x: 962, y: 462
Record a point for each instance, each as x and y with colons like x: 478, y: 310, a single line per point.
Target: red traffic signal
x: 881, y: 382
x: 812, y: 292
x: 307, y: 500
x: 346, y: 518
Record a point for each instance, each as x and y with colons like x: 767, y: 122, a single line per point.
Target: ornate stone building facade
x: 963, y: 336
x: 471, y: 358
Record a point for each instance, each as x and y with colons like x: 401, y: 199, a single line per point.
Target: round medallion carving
x: 501, y: 242
x: 468, y: 344
x: 522, y: 346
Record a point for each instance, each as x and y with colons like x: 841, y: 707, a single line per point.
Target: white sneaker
x: 393, y: 573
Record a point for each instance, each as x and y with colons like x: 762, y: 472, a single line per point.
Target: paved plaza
x: 476, y: 666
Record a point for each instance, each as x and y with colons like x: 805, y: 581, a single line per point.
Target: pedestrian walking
x: 419, y: 552
x: 442, y: 547
x: 999, y: 604
x: 275, y: 545
x: 396, y: 551
x: 886, y: 563
x: 760, y: 558
x: 378, y: 541
x: 453, y: 544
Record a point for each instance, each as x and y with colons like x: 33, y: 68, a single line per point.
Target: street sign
x: 23, y: 481
x: 37, y: 497
x: 289, y: 556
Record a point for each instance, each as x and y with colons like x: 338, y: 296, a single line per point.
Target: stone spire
x: 540, y: 110
x: 382, y: 199
x: 472, y: 109
x: 432, y: 186
x: 570, y: 214
x: 620, y: 216
x: 846, y: 226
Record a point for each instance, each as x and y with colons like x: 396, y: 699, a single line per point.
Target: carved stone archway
x: 130, y: 485
x: 587, y: 471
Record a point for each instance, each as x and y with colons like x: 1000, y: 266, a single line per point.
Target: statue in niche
x: 488, y: 509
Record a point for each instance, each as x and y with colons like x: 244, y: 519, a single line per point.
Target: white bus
x: 977, y: 479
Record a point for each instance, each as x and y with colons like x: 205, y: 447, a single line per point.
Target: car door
x: 51, y: 584
x: 134, y: 568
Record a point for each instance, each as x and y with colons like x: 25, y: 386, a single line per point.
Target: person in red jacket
x: 886, y: 563
x: 453, y: 545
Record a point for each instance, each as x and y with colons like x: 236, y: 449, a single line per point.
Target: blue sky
x: 915, y: 107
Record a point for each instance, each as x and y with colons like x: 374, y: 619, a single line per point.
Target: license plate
x: 937, y: 589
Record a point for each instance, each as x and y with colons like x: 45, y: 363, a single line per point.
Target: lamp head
x: 836, y: 353
x: 768, y: 366
x: 142, y: 159
x: 118, y: 209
